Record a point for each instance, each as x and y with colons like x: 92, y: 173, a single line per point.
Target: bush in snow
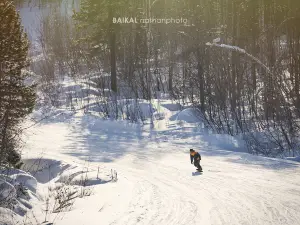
x: 16, y: 187
x: 130, y: 109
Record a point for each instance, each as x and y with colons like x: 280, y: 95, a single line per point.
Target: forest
x: 236, y: 61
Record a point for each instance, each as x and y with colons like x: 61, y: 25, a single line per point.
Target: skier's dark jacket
x: 195, y: 157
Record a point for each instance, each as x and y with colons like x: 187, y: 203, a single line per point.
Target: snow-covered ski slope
x: 156, y: 185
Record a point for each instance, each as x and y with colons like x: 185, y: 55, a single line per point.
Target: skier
x: 196, y: 157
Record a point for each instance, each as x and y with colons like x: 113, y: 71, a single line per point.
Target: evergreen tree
x: 16, y: 98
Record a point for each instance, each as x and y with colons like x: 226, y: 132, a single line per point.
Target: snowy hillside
x: 156, y: 183
x: 99, y: 119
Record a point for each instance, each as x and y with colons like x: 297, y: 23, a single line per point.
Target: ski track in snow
x: 156, y: 185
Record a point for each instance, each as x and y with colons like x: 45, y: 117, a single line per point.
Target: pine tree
x: 16, y: 98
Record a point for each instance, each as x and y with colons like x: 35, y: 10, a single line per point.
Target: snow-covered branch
x: 240, y: 50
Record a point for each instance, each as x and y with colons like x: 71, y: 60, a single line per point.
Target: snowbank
x: 129, y: 108
x: 189, y: 115
x: 16, y: 188
x: 8, y: 217
x: 296, y: 159
x: 12, y: 171
x: 172, y: 106
x: 44, y: 170
x: 7, y: 191
x: 26, y: 180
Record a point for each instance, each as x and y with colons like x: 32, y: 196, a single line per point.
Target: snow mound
x: 8, y: 217
x: 26, y: 180
x: 140, y: 110
x: 296, y: 159
x: 44, y: 170
x: 90, y: 179
x: 12, y: 171
x: 187, y: 115
x: 81, y: 176
x: 172, y: 106
x: 115, y: 127
x: 7, y: 192
x: 129, y: 108
x: 52, y: 114
x: 15, y: 191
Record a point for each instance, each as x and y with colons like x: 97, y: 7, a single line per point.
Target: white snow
x: 156, y: 184
x: 297, y: 159
x: 26, y: 180
x: 84, y: 169
x: 7, y: 190
x: 17, y: 189
x: 8, y: 217
x: 187, y: 115
x: 231, y: 47
x: 217, y: 40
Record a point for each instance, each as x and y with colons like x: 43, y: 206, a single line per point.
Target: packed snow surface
x: 156, y: 181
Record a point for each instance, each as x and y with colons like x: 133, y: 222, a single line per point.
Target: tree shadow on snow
x: 230, y: 148
x: 249, y: 159
x: 91, y: 182
x: 98, y: 140
x: 44, y: 170
x: 267, y: 163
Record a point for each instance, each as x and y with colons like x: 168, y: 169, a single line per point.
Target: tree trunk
x: 113, y: 61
